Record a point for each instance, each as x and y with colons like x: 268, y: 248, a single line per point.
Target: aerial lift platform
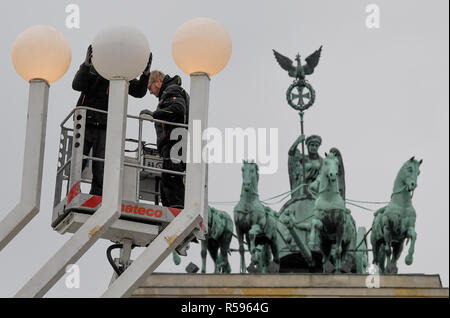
x: 142, y: 217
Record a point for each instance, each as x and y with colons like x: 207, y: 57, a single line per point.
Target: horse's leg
x: 338, y: 251
x: 326, y: 246
x: 274, y: 249
x: 212, y: 249
x: 247, y: 238
x: 312, y: 234
x: 345, y: 258
x: 267, y: 256
x: 387, y: 238
x: 326, y: 250
x: 316, y: 226
x: 397, y: 249
x: 375, y: 247
x: 223, y: 256
x: 381, y: 258
x: 240, y: 236
x: 378, y: 252
x: 348, y: 236
x: 224, y: 250
x: 260, y: 259
x: 411, y: 234
x: 251, y: 243
x: 203, y: 254
x: 338, y: 240
x: 253, y: 233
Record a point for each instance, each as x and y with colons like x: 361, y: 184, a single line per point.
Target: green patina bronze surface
x: 255, y: 221
x: 395, y: 223
x: 218, y: 238
x: 332, y: 222
x: 300, y: 95
x: 312, y: 163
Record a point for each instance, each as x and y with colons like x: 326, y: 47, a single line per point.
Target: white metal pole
x: 109, y: 211
x: 33, y: 162
x: 194, y: 207
x: 197, y: 190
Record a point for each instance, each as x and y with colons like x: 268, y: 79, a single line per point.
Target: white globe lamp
x: 120, y: 52
x: 41, y: 52
x: 201, y: 45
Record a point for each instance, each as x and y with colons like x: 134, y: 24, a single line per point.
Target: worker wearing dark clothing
x: 95, y: 94
x: 173, y: 106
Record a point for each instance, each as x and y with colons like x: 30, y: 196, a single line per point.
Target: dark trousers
x: 95, y: 139
x: 171, y: 186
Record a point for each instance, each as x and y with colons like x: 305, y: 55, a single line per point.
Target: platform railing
x: 71, y: 157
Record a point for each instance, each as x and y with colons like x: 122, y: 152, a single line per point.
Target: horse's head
x: 250, y: 176
x: 408, y: 174
x: 330, y: 167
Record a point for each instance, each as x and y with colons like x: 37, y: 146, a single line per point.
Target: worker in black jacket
x: 173, y: 106
x: 95, y: 94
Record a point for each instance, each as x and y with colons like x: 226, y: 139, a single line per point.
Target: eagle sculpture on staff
x: 300, y: 71
x: 300, y: 94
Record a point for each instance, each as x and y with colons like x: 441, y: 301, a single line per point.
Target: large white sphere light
x: 120, y: 52
x: 201, y: 45
x: 41, y: 52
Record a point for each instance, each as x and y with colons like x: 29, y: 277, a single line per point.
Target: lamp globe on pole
x: 40, y: 55
x: 201, y: 48
x: 201, y: 45
x: 120, y: 52
x: 41, y: 52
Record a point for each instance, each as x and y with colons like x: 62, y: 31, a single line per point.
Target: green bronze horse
x: 396, y: 222
x: 219, y: 236
x: 332, y: 222
x: 255, y: 221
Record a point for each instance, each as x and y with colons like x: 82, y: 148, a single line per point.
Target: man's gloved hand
x: 88, y: 60
x: 149, y: 64
x: 146, y: 114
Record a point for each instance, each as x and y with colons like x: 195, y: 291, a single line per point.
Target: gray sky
x: 382, y: 97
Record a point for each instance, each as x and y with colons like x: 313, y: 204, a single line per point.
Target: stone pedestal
x: 289, y: 285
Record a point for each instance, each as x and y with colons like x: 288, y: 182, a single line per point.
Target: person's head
x: 155, y: 82
x: 313, y: 143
